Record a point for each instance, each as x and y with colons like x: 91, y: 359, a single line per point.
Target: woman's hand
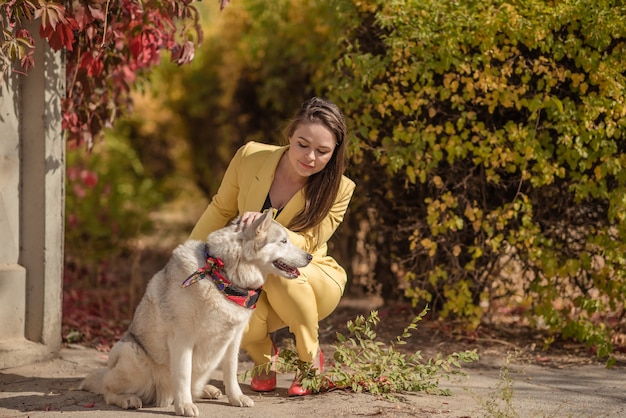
x: 247, y: 219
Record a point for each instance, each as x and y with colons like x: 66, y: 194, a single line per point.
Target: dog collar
x: 213, y: 268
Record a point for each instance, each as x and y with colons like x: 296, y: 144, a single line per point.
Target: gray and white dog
x: 184, y: 327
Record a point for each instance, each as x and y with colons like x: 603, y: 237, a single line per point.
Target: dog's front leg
x: 229, y: 369
x: 180, y: 369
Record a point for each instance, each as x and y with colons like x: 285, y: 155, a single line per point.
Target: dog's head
x: 260, y: 249
x: 267, y: 242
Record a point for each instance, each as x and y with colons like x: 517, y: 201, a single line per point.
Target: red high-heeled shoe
x: 296, y: 388
x: 265, y: 381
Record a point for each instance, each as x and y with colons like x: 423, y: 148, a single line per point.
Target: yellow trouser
x: 295, y: 303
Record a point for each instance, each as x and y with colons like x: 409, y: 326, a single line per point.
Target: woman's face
x: 310, y: 148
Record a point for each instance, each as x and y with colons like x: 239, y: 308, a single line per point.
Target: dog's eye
x: 284, y: 241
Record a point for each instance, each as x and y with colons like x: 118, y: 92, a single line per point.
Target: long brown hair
x: 321, y: 188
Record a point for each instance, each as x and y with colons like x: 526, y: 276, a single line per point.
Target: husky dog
x: 184, y: 327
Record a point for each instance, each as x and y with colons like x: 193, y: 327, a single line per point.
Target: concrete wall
x: 32, y: 181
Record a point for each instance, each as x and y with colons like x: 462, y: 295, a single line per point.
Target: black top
x: 268, y: 204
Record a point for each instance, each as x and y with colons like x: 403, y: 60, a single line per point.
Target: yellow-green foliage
x: 493, y: 128
x: 250, y: 76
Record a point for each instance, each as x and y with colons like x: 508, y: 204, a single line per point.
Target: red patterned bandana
x: 213, y: 268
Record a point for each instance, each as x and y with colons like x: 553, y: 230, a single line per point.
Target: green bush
x: 490, y: 138
x: 108, y: 201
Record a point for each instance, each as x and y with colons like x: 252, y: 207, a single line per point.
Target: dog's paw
x: 187, y: 410
x: 211, y: 392
x: 131, y: 402
x: 125, y: 401
x: 241, y: 400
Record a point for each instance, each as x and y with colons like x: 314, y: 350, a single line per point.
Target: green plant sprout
x: 363, y: 364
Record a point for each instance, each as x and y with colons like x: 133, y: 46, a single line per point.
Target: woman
x: 304, y: 182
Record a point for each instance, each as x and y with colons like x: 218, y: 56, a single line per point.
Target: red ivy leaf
x: 118, y: 40
x: 93, y: 65
x: 97, y: 9
x: 62, y: 36
x: 55, y: 26
x: 50, y: 13
x: 135, y: 46
x: 81, y: 14
x: 96, y: 67
x: 24, y: 34
x: 28, y: 61
x: 70, y: 121
x: 184, y: 53
x: 128, y: 75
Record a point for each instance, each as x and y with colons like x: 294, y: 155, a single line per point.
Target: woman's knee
x: 303, y: 301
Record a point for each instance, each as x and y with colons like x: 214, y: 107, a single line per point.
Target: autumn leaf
x: 20, y: 47
x: 55, y: 26
x: 50, y: 13
x: 81, y: 14
x: 98, y: 8
x: 93, y: 65
x: 60, y: 36
x: 182, y: 54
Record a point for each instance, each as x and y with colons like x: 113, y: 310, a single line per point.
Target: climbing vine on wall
x: 110, y: 46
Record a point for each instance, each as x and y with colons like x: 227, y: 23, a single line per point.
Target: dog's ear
x: 259, y: 228
x: 268, y: 218
x: 265, y: 222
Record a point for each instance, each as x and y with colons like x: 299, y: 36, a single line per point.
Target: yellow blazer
x: 244, y: 188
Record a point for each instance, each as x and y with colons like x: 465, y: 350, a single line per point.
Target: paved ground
x: 47, y: 390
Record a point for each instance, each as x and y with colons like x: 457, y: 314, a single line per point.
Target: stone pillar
x: 12, y: 275
x: 32, y: 186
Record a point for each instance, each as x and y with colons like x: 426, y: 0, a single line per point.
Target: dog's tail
x: 93, y: 382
